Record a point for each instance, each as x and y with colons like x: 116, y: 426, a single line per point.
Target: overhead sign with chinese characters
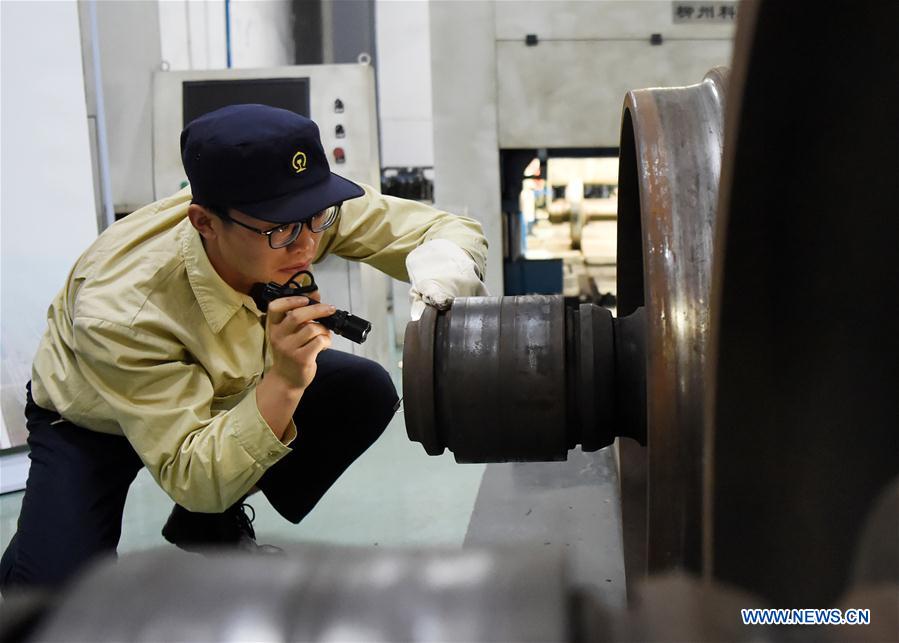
x: 704, y: 12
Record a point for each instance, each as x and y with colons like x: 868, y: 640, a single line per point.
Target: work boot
x: 199, y: 532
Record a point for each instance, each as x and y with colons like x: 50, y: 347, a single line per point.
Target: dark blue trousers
x: 79, y: 479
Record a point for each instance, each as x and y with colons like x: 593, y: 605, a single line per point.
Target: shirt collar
x: 218, y: 301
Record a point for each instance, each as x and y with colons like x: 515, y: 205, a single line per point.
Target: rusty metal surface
x: 500, y: 369
x: 524, y: 379
x: 487, y: 379
x: 418, y: 383
x: 803, y: 434
x: 594, y: 350
x: 671, y: 145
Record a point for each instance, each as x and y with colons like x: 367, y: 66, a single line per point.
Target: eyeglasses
x: 285, y: 234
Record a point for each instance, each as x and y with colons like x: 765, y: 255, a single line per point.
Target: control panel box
x: 339, y: 98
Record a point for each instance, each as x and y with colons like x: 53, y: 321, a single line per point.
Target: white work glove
x: 439, y: 271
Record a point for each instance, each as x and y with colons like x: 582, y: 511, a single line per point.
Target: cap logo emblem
x: 299, y: 162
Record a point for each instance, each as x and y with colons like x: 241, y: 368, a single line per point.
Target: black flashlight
x: 341, y: 322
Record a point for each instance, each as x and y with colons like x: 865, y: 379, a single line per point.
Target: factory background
x: 455, y: 94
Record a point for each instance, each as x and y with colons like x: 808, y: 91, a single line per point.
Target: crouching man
x: 156, y: 356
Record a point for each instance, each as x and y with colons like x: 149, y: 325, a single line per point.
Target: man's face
x: 243, y: 257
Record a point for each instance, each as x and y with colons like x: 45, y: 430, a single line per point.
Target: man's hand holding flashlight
x: 295, y: 343
x: 294, y: 340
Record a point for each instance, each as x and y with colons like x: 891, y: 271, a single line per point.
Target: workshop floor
x: 395, y: 494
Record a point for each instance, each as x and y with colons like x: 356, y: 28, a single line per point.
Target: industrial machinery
x: 540, y: 379
x: 764, y: 401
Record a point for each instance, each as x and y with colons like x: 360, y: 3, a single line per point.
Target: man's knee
x: 372, y: 396
x: 383, y: 397
x: 357, y: 383
x: 379, y: 386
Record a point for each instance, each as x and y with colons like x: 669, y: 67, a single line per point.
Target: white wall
x: 261, y: 33
x: 193, y: 37
x: 404, y: 82
x: 568, y: 90
x: 128, y: 41
x: 466, y: 147
x: 47, y: 209
x: 138, y: 37
x: 192, y: 34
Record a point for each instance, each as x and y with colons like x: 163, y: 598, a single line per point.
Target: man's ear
x: 206, y: 223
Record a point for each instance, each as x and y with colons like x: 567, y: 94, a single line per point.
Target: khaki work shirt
x: 147, y: 341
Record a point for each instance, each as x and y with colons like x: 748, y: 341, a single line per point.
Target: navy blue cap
x: 264, y: 161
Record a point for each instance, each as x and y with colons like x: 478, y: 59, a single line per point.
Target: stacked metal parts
x: 755, y: 356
